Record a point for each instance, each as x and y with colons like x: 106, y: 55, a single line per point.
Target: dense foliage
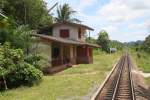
x: 116, y: 44
x: 106, y: 44
x: 30, y: 12
x: 21, y: 38
x: 35, y: 60
x: 18, y: 65
x: 14, y: 71
x: 141, y: 46
x: 146, y: 44
x: 103, y: 40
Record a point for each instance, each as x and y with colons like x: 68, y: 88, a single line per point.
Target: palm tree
x: 64, y: 14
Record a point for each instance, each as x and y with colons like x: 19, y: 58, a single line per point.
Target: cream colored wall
x: 46, y: 50
x: 73, y: 32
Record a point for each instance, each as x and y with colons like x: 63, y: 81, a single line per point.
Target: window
x: 64, y: 33
x: 79, y: 33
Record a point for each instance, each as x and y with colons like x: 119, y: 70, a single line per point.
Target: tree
x: 64, y: 14
x: 31, y: 12
x: 22, y: 38
x: 6, y: 27
x: 91, y: 40
x: 146, y: 44
x: 116, y: 44
x: 103, y: 40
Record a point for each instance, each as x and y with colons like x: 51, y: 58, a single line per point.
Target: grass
x: 147, y: 80
x: 143, y: 62
x: 75, y: 83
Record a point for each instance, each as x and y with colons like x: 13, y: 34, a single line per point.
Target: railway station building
x: 66, y: 45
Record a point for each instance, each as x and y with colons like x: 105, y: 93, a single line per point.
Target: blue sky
x: 124, y: 20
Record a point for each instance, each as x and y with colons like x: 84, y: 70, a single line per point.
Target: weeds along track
x: 119, y: 85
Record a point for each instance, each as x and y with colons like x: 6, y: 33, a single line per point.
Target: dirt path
x: 88, y: 73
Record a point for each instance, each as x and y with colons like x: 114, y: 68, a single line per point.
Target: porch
x: 63, y: 54
x: 84, y: 54
x: 66, y: 54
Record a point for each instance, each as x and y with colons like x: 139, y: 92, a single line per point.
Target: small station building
x: 66, y: 44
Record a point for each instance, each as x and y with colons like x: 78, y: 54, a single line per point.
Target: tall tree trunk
x: 27, y: 49
x: 5, y: 84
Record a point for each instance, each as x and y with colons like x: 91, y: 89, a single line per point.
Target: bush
x: 25, y: 74
x: 14, y: 70
x: 34, y: 60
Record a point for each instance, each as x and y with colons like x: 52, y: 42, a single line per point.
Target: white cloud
x: 140, y: 26
x: 138, y: 4
x: 110, y: 28
x: 133, y: 36
x: 125, y: 10
x: 119, y: 17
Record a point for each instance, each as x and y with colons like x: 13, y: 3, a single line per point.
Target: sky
x: 124, y: 20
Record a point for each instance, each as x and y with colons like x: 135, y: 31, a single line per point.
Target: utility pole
x: 25, y: 14
x: 53, y: 6
x: 89, y: 36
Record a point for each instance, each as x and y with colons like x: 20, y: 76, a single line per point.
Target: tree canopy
x: 116, y: 44
x: 31, y: 12
x: 146, y: 44
x: 103, y: 40
x: 19, y: 66
x: 64, y: 13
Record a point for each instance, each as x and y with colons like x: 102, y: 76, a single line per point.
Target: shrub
x: 14, y: 70
x: 25, y: 74
x: 34, y: 60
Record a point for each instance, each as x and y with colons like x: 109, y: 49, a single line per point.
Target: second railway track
x: 119, y: 85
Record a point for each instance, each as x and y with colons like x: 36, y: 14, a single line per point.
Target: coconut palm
x: 64, y: 13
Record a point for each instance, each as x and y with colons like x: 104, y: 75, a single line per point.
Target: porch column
x: 61, y: 53
x: 75, y: 54
x: 50, y: 54
x: 72, y: 54
x: 91, y: 55
x: 88, y: 55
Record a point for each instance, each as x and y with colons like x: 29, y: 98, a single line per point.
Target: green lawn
x: 75, y: 83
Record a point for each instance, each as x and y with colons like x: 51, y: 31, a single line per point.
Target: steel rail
x: 131, y: 87
x: 119, y: 77
x: 131, y: 81
x: 106, y: 80
x: 122, y: 77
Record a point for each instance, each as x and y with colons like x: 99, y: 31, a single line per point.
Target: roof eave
x: 66, y: 42
x: 87, y: 27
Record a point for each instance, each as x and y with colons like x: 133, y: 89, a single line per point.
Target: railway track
x: 118, y: 85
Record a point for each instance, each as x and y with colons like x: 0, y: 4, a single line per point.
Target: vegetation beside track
x: 142, y: 60
x: 77, y: 82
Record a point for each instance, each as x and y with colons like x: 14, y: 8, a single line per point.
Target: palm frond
x: 64, y: 13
